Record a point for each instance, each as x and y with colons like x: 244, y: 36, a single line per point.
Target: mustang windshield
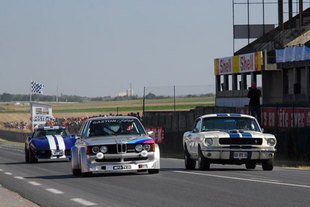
x: 229, y: 123
x: 110, y: 127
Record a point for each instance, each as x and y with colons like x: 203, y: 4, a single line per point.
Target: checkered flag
x: 37, y: 87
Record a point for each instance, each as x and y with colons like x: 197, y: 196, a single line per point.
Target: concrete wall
x: 293, y: 144
x: 14, y: 136
x: 272, y: 90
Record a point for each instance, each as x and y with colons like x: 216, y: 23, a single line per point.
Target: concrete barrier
x: 293, y: 143
x: 14, y: 136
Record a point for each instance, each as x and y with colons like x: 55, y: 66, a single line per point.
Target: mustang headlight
x: 147, y: 147
x: 104, y: 149
x: 209, y: 141
x: 271, y: 141
x: 95, y: 149
x: 139, y: 148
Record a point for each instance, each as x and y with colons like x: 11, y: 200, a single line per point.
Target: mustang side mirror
x: 263, y: 130
x: 195, y: 130
x: 150, y: 133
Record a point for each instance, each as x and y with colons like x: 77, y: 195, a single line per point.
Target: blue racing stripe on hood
x: 246, y: 135
x: 240, y: 135
x: 234, y: 135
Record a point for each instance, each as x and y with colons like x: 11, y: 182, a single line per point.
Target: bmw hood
x: 119, y: 139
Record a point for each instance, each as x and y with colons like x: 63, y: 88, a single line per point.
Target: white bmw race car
x: 114, y: 144
x: 228, y: 139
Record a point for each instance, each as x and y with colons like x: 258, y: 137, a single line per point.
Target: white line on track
x: 19, y: 177
x: 246, y: 179
x: 83, y: 202
x: 8, y: 173
x: 34, y: 183
x: 55, y: 191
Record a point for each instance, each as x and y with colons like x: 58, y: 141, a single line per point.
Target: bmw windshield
x: 110, y: 127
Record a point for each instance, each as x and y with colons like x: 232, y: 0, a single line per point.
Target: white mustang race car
x: 228, y: 139
x: 114, y: 144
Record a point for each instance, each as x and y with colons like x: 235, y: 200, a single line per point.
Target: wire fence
x: 182, y: 97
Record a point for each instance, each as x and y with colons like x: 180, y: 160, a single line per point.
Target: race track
x: 52, y: 184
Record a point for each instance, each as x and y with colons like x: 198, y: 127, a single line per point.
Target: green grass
x: 165, y: 104
x: 131, y: 108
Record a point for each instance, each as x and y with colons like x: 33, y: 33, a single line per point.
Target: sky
x: 101, y: 47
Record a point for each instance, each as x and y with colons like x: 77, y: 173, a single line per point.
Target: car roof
x: 46, y: 128
x: 226, y: 115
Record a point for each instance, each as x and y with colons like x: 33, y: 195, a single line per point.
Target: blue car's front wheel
x: 32, y: 158
x: 26, y: 155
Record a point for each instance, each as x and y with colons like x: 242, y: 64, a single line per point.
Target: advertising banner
x: 286, y: 117
x: 225, y: 65
x: 158, y: 133
x: 290, y: 54
x: 40, y: 114
x: 245, y: 63
x: 282, y: 117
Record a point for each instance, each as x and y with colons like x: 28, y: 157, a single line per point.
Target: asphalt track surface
x: 52, y: 184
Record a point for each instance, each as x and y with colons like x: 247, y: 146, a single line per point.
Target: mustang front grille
x: 240, y: 141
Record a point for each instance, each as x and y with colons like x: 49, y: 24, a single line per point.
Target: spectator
x: 254, y: 103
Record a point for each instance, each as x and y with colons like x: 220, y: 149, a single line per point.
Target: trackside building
x: 279, y: 62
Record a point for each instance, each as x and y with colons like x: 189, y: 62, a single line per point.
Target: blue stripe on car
x: 56, y: 142
x: 222, y: 115
x: 234, y: 135
x: 232, y: 115
x: 240, y: 135
x: 139, y: 140
x: 40, y: 143
x: 246, y: 135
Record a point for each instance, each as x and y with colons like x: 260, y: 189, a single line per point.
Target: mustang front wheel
x: 153, y: 171
x: 203, y: 163
x: 250, y: 165
x: 190, y: 163
x: 267, y: 164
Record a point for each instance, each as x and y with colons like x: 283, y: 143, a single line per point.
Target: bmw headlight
x: 147, y: 147
x: 209, y: 141
x: 104, y: 149
x: 95, y: 149
x: 139, y: 148
x: 271, y: 141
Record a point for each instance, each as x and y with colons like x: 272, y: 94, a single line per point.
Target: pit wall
x: 14, y: 136
x: 293, y: 142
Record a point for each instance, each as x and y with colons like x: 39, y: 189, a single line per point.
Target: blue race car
x: 49, y: 142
